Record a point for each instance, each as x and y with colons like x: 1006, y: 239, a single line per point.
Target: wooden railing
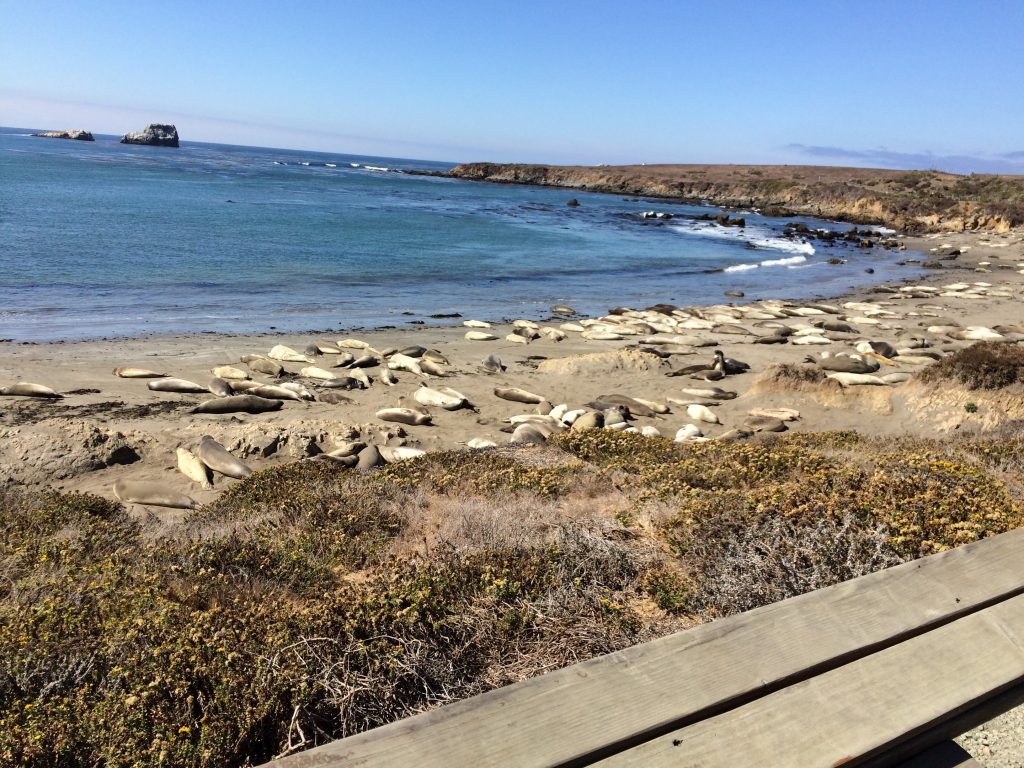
x: 877, y: 671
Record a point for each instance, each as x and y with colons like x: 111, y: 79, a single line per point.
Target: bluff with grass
x: 309, y: 602
x: 908, y: 201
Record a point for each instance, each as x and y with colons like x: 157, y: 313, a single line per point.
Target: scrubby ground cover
x: 311, y: 602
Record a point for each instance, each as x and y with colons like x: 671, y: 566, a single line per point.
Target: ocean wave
x: 759, y: 238
x: 791, y: 261
x: 741, y: 267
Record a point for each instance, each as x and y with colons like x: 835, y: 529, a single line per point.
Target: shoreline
x: 67, y: 442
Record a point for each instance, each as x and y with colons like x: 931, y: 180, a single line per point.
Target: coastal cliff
x: 155, y: 135
x: 909, y: 201
x: 75, y: 134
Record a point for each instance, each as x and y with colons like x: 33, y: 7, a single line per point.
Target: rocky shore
x: 75, y: 134
x: 908, y: 201
x: 154, y: 135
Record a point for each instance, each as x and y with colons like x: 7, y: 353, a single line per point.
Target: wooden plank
x: 958, y: 724
x: 855, y: 713
x: 945, y: 754
x: 576, y: 715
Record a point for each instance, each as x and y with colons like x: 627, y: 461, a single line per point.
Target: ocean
x: 100, y: 239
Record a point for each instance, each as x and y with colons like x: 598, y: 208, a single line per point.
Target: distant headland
x: 76, y: 134
x: 909, y: 201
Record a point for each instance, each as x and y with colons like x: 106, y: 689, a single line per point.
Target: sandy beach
x: 107, y: 428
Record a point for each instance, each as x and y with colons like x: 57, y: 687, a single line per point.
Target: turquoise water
x: 102, y: 239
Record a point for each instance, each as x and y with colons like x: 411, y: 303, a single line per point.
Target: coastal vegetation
x: 309, y: 602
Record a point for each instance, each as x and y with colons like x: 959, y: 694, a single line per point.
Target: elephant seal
x: 176, y: 385
x: 243, y: 386
x: 151, y: 494
x: 191, y: 467
x: 342, y: 382
x: 219, y: 387
x: 438, y: 399
x: 261, y: 364
x: 238, y: 404
x: 404, y: 416
x: 219, y: 459
x: 588, y: 420
x: 430, y: 366
x: 715, y: 393
x: 368, y: 458
x: 413, y: 351
x: 287, y: 354
x: 480, y: 336
x: 636, y: 408
x: 394, y: 454
x: 312, y: 372
x: 298, y: 389
x: 137, y: 373
x: 365, y: 361
x: 493, y: 364
x: 272, y: 392
x: 517, y: 395
x: 702, y: 413
x: 400, y: 362
x: 26, y: 389
x: 229, y: 372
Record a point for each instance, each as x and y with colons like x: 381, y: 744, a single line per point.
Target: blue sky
x: 890, y: 84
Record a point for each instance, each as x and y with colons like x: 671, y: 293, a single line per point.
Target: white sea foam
x: 758, y: 237
x: 791, y: 262
x: 331, y: 165
x: 787, y: 262
x: 377, y: 168
x: 304, y: 163
x: 354, y: 165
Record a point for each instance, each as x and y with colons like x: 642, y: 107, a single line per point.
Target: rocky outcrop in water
x: 76, y: 134
x: 155, y: 135
x: 911, y: 201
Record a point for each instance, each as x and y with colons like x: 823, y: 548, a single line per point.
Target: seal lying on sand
x: 152, y: 494
x: 137, y: 373
x: 176, y: 385
x: 238, y: 404
x: 26, y: 389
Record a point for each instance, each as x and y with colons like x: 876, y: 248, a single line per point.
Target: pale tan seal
x: 152, y: 494
x: 219, y: 459
x: 191, y: 467
x: 137, y: 373
x: 183, y: 386
x: 518, y: 395
x: 27, y: 389
x: 404, y: 416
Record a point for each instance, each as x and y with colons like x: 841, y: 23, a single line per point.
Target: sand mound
x: 57, y: 450
x: 602, y: 363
